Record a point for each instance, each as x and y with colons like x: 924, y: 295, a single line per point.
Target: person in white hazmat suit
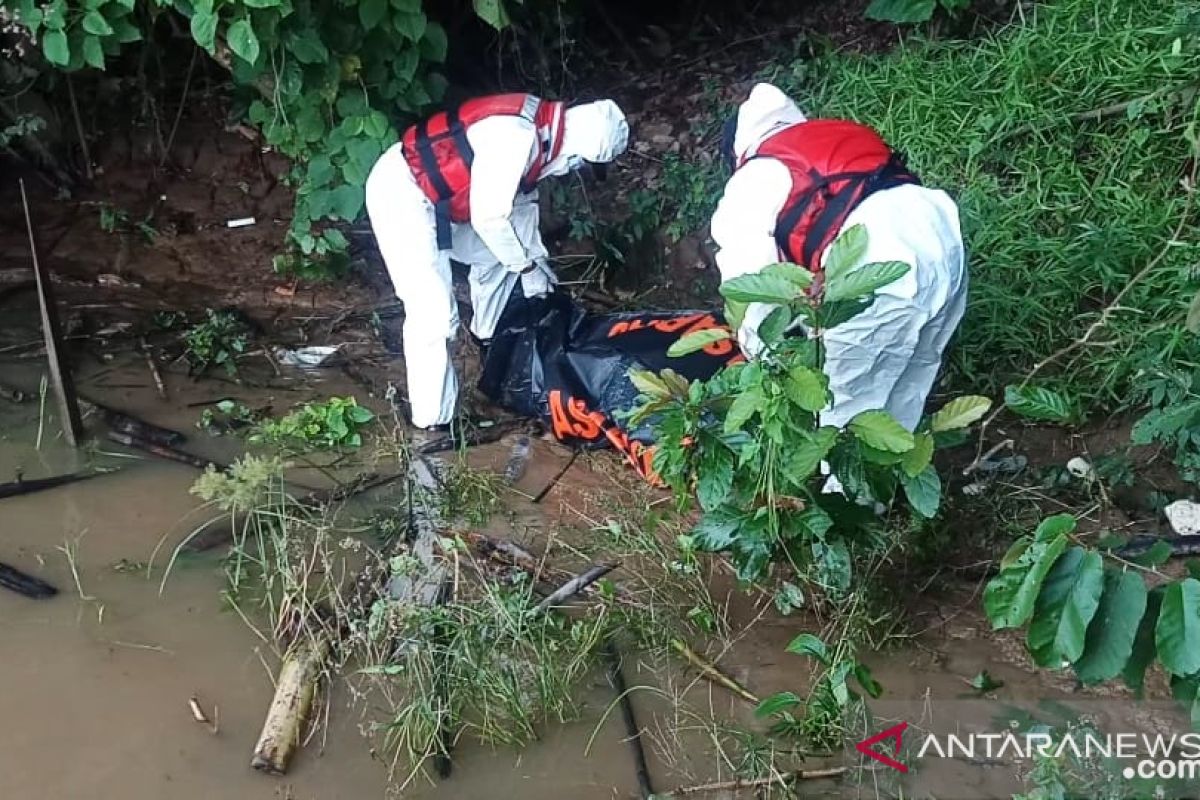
x: 797, y: 184
x: 462, y: 185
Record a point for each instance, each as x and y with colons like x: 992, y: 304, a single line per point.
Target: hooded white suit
x: 502, y: 243
x: 888, y: 356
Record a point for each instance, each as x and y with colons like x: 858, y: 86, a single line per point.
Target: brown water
x: 94, y: 683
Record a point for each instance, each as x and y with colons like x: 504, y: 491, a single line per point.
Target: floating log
x: 283, y: 729
x: 161, y: 450
x: 123, y: 422
x: 21, y: 486
x: 302, y: 668
x: 17, y: 581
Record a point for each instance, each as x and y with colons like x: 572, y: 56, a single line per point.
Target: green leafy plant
x: 115, y: 220
x: 218, y: 341
x: 821, y: 721
x: 338, y: 422
x: 749, y: 444
x: 693, y: 188
x: 1101, y: 615
x: 910, y: 11
x: 1174, y: 417
x: 227, y: 416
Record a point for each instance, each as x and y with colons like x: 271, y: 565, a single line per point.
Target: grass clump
x: 1063, y: 137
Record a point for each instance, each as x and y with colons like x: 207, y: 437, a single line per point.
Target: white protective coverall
x: 502, y: 243
x: 888, y: 356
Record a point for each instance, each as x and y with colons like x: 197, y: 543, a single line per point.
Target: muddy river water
x: 95, y: 683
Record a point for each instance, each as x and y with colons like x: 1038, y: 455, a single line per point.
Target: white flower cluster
x: 13, y: 35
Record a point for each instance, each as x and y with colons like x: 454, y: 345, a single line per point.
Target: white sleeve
x: 503, y: 148
x: 743, y: 228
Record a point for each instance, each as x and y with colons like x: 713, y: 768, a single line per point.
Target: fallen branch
x: 162, y: 451
x: 574, y: 587
x: 21, y: 487
x: 558, y: 476
x: 709, y: 671
x: 13, y: 579
x: 754, y: 783
x: 154, y: 373
x: 283, y: 729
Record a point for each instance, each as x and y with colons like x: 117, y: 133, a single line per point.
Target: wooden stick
x: 154, y: 373
x: 17, y: 581
x: 632, y: 731
x: 574, y: 586
x: 283, y: 729
x: 540, y: 496
x: 752, y: 783
x: 60, y: 375
x: 162, y: 451
x: 21, y: 487
x: 709, y: 672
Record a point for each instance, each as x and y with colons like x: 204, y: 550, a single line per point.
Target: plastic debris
x: 1004, y: 466
x: 240, y: 222
x: 1184, y: 517
x: 1080, y: 468
x: 312, y: 357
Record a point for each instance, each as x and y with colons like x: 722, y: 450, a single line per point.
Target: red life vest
x: 440, y: 156
x: 835, y: 164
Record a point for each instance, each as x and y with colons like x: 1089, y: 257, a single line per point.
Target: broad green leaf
x: 337, y: 240
x: 347, y: 202
x: 1037, y: 402
x: 1144, y: 651
x: 56, y: 49
x: 776, y: 703
x: 1010, y: 597
x: 832, y: 314
x: 760, y: 288
x: 410, y: 26
x: 93, y: 52
x: 806, y: 455
x: 434, y: 44
x: 493, y: 13
x: 807, y: 388
x: 808, y: 645
x: 924, y: 491
x: 715, y: 477
x: 735, y: 312
x: 1069, y: 598
x: 1054, y: 526
x: 95, y: 24
x: 126, y: 31
x: 845, y: 253
x: 716, y: 530
x: 1192, y: 323
x: 883, y: 458
x: 1177, y: 633
x: 1112, y: 631
x: 243, y: 41
x: 649, y: 384
x: 916, y: 460
x: 307, y: 47
x: 792, y: 273
x: 864, y: 280
x: 411, y: 5
x: 834, y: 569
x: 901, y: 11
x: 862, y: 674
x: 370, y: 12
x: 745, y: 405
x: 262, y: 3
x: 1158, y: 554
x: 880, y: 430
x: 204, y: 29
x: 771, y: 329
x: 697, y: 340
x: 959, y: 413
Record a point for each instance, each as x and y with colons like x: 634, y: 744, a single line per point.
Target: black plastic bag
x: 553, y: 360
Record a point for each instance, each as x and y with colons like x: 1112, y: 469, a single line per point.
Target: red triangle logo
x: 895, y: 732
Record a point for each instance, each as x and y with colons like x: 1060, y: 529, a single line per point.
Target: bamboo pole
x: 283, y: 729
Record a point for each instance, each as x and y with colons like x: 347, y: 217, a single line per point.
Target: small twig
x: 83, y: 145
x: 784, y: 778
x: 710, y: 672
x: 187, y: 82
x: 540, y: 496
x: 154, y: 373
x: 199, y: 715
x: 974, y: 465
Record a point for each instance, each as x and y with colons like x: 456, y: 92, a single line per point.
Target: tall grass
x: 1058, y: 211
